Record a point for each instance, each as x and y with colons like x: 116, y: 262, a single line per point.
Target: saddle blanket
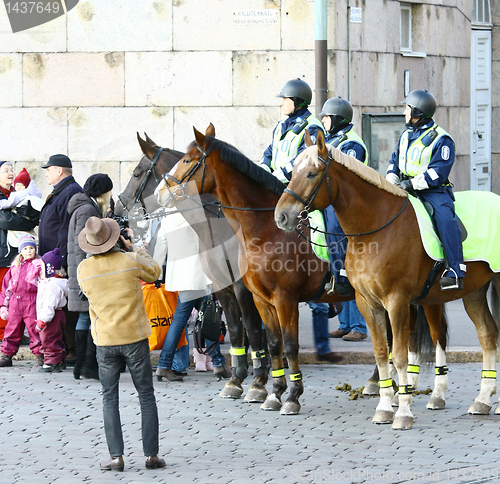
x: 318, y: 239
x: 480, y: 213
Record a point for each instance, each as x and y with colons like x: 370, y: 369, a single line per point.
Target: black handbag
x: 208, y: 325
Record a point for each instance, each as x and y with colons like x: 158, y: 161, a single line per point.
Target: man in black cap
x: 54, y: 222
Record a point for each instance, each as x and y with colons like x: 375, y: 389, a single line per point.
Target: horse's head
x: 308, y: 189
x: 190, y: 176
x: 146, y: 175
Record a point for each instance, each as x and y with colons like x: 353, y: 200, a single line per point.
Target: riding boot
x: 81, y: 349
x: 90, y: 368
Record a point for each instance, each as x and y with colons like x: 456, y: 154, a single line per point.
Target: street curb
x: 310, y: 358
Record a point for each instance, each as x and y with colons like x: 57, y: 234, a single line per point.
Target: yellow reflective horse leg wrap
x: 237, y: 351
x: 257, y: 362
x: 385, y: 383
x: 278, y: 373
x: 258, y: 354
x: 239, y: 366
x: 441, y: 370
x: 296, y: 376
x: 489, y: 374
x: 405, y: 390
x: 413, y: 369
x: 390, y: 359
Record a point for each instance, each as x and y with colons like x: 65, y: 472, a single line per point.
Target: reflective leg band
x: 441, y: 370
x: 258, y: 354
x: 236, y: 354
x: 390, y: 359
x: 405, y: 390
x: 296, y: 376
x: 413, y: 369
x: 489, y: 374
x: 237, y: 351
x: 385, y: 383
x: 278, y: 373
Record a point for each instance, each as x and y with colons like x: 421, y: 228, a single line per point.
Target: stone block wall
x: 85, y: 83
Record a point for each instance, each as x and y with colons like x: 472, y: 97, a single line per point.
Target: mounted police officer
x: 279, y: 159
x: 288, y: 135
x: 421, y: 165
x: 336, y: 117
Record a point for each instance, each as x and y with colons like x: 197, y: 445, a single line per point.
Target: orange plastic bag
x: 160, y: 306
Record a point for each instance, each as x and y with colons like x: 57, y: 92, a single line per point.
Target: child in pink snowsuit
x: 51, y: 320
x: 18, y: 301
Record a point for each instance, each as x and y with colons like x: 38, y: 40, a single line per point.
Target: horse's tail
x: 422, y: 341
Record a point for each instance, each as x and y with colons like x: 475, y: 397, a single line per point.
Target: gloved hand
x: 40, y: 325
x: 4, y: 312
x: 392, y: 178
x: 407, y: 186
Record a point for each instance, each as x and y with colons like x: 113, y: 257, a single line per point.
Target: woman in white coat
x: 179, y: 243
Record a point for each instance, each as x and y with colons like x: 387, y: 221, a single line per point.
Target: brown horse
x: 282, y: 268
x: 387, y: 265
x: 235, y: 298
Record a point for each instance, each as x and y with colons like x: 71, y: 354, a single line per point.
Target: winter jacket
x: 10, y: 220
x: 184, y: 270
x: 112, y: 284
x: 51, y: 295
x: 81, y: 208
x: 54, y: 219
x: 21, y: 280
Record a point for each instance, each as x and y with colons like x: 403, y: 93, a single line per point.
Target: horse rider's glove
x: 392, y: 178
x: 280, y: 175
x: 265, y: 167
x: 407, y: 186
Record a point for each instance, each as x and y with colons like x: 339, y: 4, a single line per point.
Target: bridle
x: 142, y: 186
x: 304, y: 214
x: 180, y: 189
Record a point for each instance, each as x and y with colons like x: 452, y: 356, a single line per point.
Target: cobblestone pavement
x: 51, y: 428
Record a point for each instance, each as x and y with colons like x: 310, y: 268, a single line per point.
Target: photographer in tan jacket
x: 111, y: 280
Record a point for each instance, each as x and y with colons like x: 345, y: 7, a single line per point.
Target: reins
x: 304, y: 214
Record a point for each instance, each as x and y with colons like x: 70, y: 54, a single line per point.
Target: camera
x: 124, y: 224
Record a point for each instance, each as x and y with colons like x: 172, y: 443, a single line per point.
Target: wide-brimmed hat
x: 99, y: 235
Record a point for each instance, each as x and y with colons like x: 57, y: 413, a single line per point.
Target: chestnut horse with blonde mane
x: 282, y: 268
x: 374, y: 213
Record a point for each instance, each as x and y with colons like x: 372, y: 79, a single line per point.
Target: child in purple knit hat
x: 18, y: 299
x: 51, y: 320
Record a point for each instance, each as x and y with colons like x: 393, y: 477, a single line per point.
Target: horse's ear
x: 210, y: 130
x: 150, y: 141
x: 200, y: 138
x: 322, y: 149
x: 146, y: 148
x: 307, y: 139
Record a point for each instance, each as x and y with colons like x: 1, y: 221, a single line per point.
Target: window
x: 481, y: 13
x: 411, y: 35
x: 406, y: 28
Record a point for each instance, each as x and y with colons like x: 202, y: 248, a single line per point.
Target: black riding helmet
x: 422, y: 104
x: 339, y: 110
x: 299, y: 91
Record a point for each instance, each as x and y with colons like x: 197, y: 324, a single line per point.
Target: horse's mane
x: 236, y: 158
x: 365, y: 172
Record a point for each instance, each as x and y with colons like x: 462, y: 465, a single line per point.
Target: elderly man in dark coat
x: 53, y: 227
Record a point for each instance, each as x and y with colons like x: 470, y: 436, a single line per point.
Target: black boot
x: 90, y: 368
x: 81, y: 349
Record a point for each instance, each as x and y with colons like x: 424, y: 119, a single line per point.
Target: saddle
x: 430, y: 211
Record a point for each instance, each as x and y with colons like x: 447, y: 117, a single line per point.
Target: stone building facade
x: 85, y: 83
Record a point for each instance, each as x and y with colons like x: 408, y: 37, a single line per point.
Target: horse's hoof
x: 231, y: 390
x: 436, y: 403
x: 290, y: 408
x: 159, y: 378
x: 383, y: 417
x: 479, y: 408
x: 402, y: 423
x: 497, y: 410
x: 272, y: 403
x: 371, y: 388
x: 256, y: 395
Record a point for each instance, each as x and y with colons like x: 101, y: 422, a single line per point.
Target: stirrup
x: 450, y: 283
x: 329, y: 286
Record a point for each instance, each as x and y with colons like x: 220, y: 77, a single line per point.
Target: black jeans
x: 136, y: 356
